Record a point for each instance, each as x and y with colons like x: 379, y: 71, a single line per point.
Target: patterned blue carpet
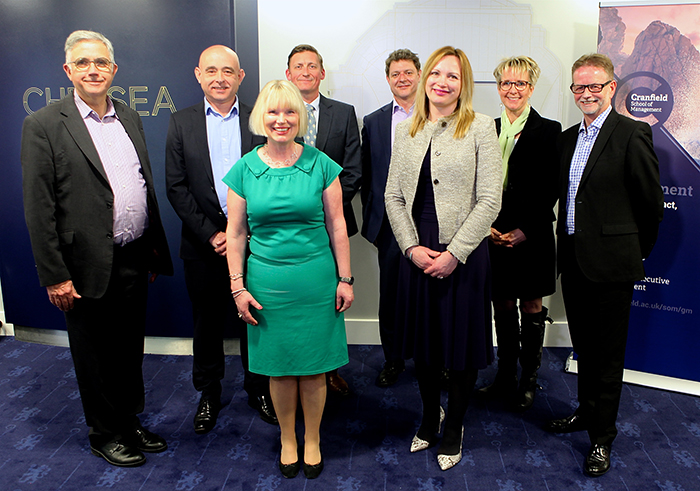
x: 365, y: 437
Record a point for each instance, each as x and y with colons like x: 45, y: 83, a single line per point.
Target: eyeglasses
x: 82, y: 64
x: 592, y: 88
x: 520, y: 85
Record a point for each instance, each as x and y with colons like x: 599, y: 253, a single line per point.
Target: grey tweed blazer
x: 467, y: 182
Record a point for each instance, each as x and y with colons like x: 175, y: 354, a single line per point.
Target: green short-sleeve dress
x: 291, y: 269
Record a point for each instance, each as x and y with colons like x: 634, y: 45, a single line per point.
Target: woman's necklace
x: 275, y: 164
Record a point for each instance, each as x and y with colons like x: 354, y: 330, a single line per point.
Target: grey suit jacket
x: 189, y: 179
x: 339, y: 137
x: 467, y: 182
x: 68, y: 199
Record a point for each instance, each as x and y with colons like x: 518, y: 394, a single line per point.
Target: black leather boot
x: 508, y: 336
x: 532, y: 339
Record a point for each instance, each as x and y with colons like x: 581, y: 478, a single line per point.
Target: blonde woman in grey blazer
x: 442, y: 195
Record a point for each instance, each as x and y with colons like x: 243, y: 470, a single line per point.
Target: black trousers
x: 598, y: 316
x: 388, y: 255
x: 213, y: 309
x: 106, y: 342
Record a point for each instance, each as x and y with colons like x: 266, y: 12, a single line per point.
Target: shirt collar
x: 210, y: 111
x: 315, y: 103
x: 597, y: 122
x: 86, y: 110
x: 396, y: 107
x: 304, y: 163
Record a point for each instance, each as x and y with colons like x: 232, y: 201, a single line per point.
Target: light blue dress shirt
x: 224, y: 138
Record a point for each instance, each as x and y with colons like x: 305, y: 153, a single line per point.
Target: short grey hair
x: 77, y: 36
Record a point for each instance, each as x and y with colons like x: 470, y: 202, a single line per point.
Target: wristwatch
x: 347, y: 279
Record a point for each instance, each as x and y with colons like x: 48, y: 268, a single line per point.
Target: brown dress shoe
x: 336, y: 384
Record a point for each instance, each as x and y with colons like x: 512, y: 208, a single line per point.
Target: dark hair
x: 300, y: 49
x: 402, y: 54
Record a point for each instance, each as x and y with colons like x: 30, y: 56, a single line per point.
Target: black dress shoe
x: 205, y: 419
x: 567, y: 425
x: 119, y: 453
x: 313, y: 471
x: 290, y: 470
x: 147, y: 441
x: 390, y: 373
x: 597, y: 460
x: 263, y: 405
x: 336, y: 384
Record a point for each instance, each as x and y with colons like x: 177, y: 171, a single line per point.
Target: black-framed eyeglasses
x: 520, y: 85
x: 102, y: 64
x: 592, y: 88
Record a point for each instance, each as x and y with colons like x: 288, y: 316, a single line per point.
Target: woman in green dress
x: 298, y: 281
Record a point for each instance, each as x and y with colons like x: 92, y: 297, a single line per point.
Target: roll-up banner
x: 657, y: 66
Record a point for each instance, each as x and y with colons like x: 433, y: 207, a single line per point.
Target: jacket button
x: 109, y: 206
x: 444, y: 123
x: 109, y: 235
x: 435, y: 181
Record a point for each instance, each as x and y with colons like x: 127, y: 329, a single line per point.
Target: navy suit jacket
x: 190, y: 181
x: 68, y: 201
x: 619, y: 203
x: 376, y: 155
x: 339, y: 137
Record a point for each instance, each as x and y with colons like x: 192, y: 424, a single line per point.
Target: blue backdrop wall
x: 157, y: 45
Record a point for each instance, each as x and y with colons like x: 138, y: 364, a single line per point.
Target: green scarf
x: 506, y: 139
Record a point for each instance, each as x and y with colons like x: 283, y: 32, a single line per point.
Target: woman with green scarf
x: 521, y: 245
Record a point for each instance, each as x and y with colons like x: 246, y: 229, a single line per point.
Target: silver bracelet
x: 235, y: 276
x: 235, y: 293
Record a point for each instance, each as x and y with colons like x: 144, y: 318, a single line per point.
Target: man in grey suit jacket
x: 195, y: 163
x: 336, y: 134
x: 402, y: 69
x: 610, y: 207
x: 96, y: 233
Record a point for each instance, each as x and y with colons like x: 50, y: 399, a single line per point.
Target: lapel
x: 325, y: 109
x: 384, y: 132
x: 76, y: 127
x: 605, y: 132
x: 534, y: 121
x: 246, y: 135
x: 201, y: 142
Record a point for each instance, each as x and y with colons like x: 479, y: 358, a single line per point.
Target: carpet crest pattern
x: 365, y: 437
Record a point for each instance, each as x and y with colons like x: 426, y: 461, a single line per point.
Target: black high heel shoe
x: 313, y: 471
x: 290, y: 470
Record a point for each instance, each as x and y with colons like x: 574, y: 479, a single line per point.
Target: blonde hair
x: 598, y: 60
x: 277, y: 93
x: 521, y: 64
x: 464, y: 112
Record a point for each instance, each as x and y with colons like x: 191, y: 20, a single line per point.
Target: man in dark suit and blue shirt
x: 96, y: 234
x: 333, y: 130
x: 402, y: 74
x: 610, y: 207
x: 203, y: 143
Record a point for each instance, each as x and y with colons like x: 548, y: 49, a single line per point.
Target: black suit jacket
x: 190, y: 181
x: 533, y: 172
x: 619, y: 203
x: 339, y: 137
x: 376, y: 155
x: 68, y: 199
